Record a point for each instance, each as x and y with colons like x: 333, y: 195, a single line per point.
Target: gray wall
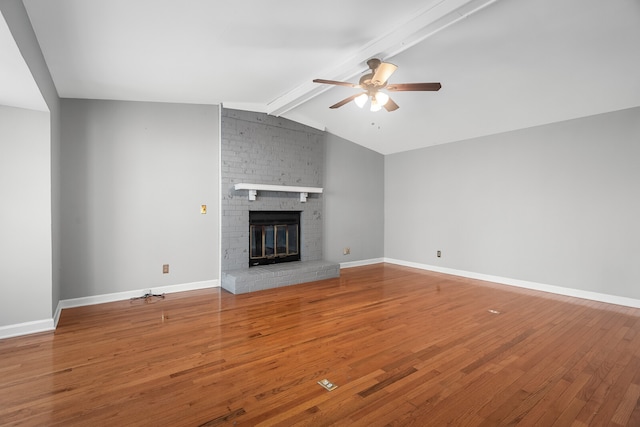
x: 353, y: 201
x: 556, y: 204
x: 19, y: 24
x: 134, y: 175
x: 25, y: 216
x: 262, y: 149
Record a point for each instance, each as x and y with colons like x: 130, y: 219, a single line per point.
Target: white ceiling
x: 503, y: 65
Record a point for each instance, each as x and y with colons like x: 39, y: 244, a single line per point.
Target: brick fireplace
x: 266, y: 150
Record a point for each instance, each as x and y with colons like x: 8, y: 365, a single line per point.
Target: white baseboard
x: 120, y: 296
x: 50, y: 324
x: 26, y: 328
x: 577, y: 293
x: 361, y: 263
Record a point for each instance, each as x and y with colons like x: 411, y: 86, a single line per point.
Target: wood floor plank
x: 405, y: 347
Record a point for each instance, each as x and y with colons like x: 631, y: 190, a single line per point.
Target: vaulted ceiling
x: 503, y: 64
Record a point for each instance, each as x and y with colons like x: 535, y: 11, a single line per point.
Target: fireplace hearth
x: 274, y: 237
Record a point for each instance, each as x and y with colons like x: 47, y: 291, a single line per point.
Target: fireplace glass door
x: 274, y: 237
x: 271, y: 241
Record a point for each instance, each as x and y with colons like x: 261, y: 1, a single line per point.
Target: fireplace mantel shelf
x: 254, y: 188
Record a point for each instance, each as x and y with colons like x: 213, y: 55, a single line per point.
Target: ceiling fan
x: 373, y: 82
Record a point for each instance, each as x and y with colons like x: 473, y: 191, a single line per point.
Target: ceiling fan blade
x: 391, y: 105
x: 383, y: 72
x: 334, y: 82
x: 414, y: 86
x: 345, y: 101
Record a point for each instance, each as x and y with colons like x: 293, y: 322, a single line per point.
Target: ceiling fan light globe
x: 361, y: 100
x: 374, y: 105
x: 382, y: 98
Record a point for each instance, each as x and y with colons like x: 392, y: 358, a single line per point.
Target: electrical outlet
x: 327, y: 384
x: 346, y: 251
x: 203, y: 209
x: 439, y: 254
x: 165, y: 269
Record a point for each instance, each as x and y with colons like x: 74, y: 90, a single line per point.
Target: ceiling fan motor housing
x: 373, y: 63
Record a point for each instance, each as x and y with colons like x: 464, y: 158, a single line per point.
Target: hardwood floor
x: 405, y: 347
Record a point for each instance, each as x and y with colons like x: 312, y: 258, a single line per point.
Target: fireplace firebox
x: 274, y: 237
